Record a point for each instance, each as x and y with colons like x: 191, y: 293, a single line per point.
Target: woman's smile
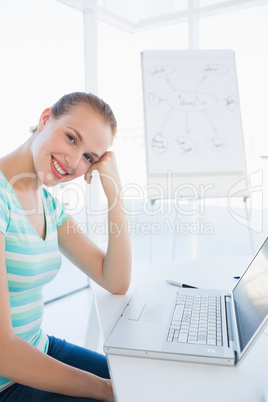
x: 58, y: 169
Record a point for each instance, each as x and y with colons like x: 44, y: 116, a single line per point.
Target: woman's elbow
x: 120, y: 287
x: 120, y: 291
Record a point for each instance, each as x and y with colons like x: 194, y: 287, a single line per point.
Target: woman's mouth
x: 57, y: 170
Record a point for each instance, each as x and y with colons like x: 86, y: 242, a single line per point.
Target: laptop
x: 195, y: 325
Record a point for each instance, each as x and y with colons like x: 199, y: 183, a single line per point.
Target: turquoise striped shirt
x: 31, y: 262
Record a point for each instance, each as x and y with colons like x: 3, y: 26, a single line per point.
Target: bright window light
x: 245, y: 31
x: 42, y: 58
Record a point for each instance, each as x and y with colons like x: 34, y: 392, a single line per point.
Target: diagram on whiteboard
x: 192, y: 113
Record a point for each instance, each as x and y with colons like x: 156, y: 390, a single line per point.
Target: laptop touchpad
x: 152, y: 312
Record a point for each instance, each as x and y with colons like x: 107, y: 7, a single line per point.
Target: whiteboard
x: 193, y: 128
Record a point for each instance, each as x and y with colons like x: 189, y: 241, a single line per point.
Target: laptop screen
x: 251, y: 296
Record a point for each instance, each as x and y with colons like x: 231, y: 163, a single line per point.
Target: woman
x: 71, y: 140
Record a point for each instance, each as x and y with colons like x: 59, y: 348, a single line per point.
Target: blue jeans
x: 65, y: 352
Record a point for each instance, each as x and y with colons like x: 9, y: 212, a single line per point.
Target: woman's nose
x: 72, y: 160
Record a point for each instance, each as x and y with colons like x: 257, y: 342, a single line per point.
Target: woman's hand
x: 109, y: 175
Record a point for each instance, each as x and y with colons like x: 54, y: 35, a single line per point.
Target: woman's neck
x: 19, y: 170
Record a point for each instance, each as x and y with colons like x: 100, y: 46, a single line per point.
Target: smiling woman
x: 71, y: 139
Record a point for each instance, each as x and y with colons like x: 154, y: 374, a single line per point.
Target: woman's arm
x: 113, y: 269
x: 24, y: 364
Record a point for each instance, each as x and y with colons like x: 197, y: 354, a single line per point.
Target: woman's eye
x: 88, y: 158
x: 71, y: 138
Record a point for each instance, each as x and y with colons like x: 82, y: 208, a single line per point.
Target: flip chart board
x: 193, y: 129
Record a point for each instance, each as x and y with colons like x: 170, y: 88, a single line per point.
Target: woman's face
x: 66, y: 147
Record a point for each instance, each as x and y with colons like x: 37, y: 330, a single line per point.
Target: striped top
x: 31, y: 262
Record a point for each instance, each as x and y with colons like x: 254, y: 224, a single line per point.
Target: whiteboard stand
x: 192, y: 240
x: 192, y: 244
x: 152, y: 202
x: 193, y: 127
x: 249, y: 228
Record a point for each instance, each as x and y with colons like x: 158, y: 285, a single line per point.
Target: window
x: 42, y: 57
x: 245, y: 31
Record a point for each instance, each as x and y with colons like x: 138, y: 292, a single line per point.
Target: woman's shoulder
x: 3, y: 164
x: 4, y: 183
x: 5, y: 196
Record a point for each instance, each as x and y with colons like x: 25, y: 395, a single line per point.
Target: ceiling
x: 134, y: 15
x: 137, y: 15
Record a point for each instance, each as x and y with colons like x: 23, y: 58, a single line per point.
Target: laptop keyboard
x: 196, y: 320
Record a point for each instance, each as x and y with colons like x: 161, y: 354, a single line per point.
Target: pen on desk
x: 181, y: 285
x: 236, y: 277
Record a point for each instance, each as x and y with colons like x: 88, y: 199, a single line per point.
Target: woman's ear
x: 44, y: 118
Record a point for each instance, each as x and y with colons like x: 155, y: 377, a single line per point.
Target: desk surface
x: 146, y: 380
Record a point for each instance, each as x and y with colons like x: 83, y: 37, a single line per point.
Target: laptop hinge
x: 229, y: 325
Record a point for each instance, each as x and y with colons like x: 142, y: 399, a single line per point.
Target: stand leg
x: 249, y: 228
x: 193, y: 237
x: 192, y: 240
x: 152, y: 236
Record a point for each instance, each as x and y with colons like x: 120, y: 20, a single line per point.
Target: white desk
x: 151, y: 380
